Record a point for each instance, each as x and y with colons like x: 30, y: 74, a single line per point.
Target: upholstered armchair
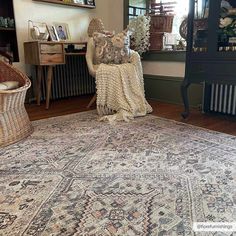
x: 118, y: 73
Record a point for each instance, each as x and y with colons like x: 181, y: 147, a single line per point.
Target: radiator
x: 223, y: 98
x: 70, y: 79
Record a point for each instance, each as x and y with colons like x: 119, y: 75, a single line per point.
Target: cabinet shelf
x: 7, y: 29
x: 67, y: 3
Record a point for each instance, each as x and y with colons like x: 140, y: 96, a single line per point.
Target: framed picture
x: 90, y: 2
x: 79, y: 1
x: 62, y: 31
x: 52, y: 33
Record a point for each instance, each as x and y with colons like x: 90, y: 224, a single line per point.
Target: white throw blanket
x: 120, y: 90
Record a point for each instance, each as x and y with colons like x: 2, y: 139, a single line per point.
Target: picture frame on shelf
x: 52, y: 33
x: 90, y: 2
x: 79, y: 1
x: 62, y: 30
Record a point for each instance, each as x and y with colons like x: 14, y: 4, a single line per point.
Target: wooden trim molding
x: 126, y: 13
x: 163, y: 77
x: 177, y: 56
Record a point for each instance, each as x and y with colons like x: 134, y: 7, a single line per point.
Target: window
x: 178, y: 9
x: 137, y: 7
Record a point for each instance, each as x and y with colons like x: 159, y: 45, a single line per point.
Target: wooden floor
x: 78, y: 104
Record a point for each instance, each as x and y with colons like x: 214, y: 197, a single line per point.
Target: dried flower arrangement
x: 139, y: 28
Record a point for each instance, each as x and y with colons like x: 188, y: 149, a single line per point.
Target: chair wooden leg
x: 39, y: 78
x: 92, y: 101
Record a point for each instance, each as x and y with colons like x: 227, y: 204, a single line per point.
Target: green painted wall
x: 167, y: 89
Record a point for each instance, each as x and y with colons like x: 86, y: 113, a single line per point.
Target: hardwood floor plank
x: 221, y: 123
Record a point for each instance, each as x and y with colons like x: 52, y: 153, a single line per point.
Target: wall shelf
x: 67, y: 3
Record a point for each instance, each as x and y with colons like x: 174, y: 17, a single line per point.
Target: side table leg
x: 49, y: 83
x: 184, y: 93
x: 39, y: 79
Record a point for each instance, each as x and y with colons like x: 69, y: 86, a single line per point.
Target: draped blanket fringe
x: 120, y: 90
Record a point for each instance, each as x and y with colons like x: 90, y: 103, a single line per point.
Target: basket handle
x: 7, y: 55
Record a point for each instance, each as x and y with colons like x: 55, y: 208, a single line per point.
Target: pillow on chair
x: 111, y: 49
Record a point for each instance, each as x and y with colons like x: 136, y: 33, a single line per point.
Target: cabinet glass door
x: 200, y: 25
x: 227, y: 26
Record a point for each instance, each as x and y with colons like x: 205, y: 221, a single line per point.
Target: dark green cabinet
x: 8, y: 38
x: 211, y: 45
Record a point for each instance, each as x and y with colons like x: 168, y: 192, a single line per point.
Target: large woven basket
x: 14, y: 120
x: 161, y: 23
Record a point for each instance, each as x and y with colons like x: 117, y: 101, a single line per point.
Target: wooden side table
x: 40, y: 53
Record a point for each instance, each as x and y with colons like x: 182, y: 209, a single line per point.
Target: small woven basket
x: 14, y: 121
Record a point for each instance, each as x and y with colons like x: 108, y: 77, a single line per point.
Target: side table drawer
x: 51, y: 48
x: 56, y: 58
x: 44, y: 53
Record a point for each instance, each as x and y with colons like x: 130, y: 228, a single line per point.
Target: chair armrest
x: 89, y: 57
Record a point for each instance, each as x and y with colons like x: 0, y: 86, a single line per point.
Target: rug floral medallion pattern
x: 149, y: 177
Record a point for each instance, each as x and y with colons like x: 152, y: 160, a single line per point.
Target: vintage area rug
x: 149, y: 177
